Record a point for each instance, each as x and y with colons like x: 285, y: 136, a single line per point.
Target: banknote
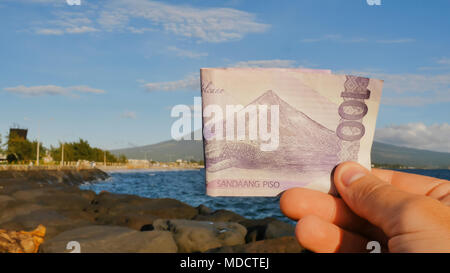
x: 267, y: 130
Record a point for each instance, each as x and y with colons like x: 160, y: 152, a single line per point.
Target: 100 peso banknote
x: 267, y: 130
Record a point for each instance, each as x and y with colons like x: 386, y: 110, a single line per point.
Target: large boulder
x: 286, y: 244
x: 220, y: 216
x: 54, y: 222
x: 30, y: 195
x: 204, y: 210
x: 111, y: 239
x: 118, y: 204
x: 128, y: 219
x: 267, y: 228
x: 5, y: 200
x: 15, y: 209
x: 199, y: 236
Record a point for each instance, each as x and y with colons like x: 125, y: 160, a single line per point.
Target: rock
x: 64, y: 201
x: 21, y: 241
x: 199, y: 236
x: 111, y: 239
x: 52, y: 220
x: 67, y: 176
x: 130, y: 220
x: 29, y: 195
x: 267, y: 228
x: 220, y: 216
x: 286, y: 244
x: 118, y: 204
x: 17, y: 210
x: 58, y: 197
x: 168, y: 208
x: 5, y: 200
x: 204, y: 210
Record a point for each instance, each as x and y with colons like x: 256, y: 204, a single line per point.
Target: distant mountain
x: 170, y: 150
x: 390, y: 154
x: 381, y: 153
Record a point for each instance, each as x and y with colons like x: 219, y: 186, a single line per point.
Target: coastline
x: 107, y: 222
x: 153, y: 168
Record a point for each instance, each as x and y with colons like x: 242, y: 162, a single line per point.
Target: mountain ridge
x: 382, y: 153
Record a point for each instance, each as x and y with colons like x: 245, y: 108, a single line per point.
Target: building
x: 18, y: 133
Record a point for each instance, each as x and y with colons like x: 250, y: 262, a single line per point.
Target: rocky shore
x: 109, y: 222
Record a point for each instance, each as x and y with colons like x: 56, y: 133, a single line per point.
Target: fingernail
x: 351, y: 175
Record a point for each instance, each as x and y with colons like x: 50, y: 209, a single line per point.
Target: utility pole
x: 62, y: 154
x: 37, y: 153
x: 37, y: 149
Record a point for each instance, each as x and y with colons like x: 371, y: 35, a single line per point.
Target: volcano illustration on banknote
x: 300, y: 137
x: 267, y: 130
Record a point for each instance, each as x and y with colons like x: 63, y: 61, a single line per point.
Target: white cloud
x: 341, y: 39
x: 49, y: 31
x: 267, y: 63
x: 189, y: 83
x: 440, y: 64
x: 55, y: 2
x: 67, y: 23
x: 129, y: 115
x: 334, y: 38
x: 138, y: 16
x: 396, y: 41
x: 41, y: 90
x: 140, y: 30
x: 86, y: 89
x: 192, y: 81
x: 204, y: 24
x: 444, y: 61
x: 186, y: 53
x: 411, y: 89
x: 434, y: 137
x: 82, y: 29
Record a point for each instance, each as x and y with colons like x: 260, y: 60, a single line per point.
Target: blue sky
x: 110, y: 71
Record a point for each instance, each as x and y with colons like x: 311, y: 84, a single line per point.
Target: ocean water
x: 189, y: 186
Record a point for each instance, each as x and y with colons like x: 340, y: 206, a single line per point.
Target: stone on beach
x: 108, y: 222
x: 118, y: 204
x: 267, y: 228
x: 131, y: 220
x: 112, y: 239
x: 54, y: 221
x: 221, y: 215
x: 4, y: 200
x: 199, y: 236
x: 287, y: 244
x: 21, y: 241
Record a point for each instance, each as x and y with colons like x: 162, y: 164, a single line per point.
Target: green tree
x: 23, y: 149
x: 1, y: 145
x: 81, y: 150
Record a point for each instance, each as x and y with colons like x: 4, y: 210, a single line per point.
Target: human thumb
x: 374, y: 199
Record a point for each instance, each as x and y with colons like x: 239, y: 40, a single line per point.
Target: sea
x: 189, y: 186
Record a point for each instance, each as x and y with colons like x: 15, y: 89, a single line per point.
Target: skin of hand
x: 404, y: 212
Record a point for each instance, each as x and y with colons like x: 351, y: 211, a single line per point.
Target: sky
x: 109, y: 71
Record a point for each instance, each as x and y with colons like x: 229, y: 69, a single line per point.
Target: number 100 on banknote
x: 268, y: 130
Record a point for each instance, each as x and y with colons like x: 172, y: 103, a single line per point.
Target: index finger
x: 415, y: 183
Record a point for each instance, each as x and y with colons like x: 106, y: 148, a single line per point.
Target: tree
x: 23, y: 149
x: 81, y: 150
x: 1, y: 148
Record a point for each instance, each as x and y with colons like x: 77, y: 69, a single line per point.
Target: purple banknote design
x: 267, y: 130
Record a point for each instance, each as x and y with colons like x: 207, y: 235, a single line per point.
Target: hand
x: 403, y: 212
